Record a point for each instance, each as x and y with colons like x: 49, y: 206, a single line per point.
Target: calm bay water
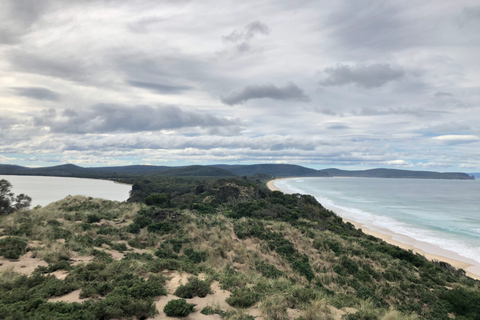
x: 441, y: 213
x: 45, y: 190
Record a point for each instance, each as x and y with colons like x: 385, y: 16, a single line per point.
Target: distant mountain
x: 277, y: 170
x: 223, y: 170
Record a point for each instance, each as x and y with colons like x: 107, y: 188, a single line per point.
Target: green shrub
x: 242, y: 298
x: 178, y: 308
x: 92, y: 218
x: 120, y: 247
x: 142, y: 221
x: 195, y: 287
x: 195, y: 256
x: 161, y: 227
x: 12, y: 247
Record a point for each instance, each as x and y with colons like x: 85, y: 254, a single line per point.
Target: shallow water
x: 443, y: 213
x: 45, y: 190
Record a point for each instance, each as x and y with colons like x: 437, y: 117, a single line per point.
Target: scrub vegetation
x: 277, y: 256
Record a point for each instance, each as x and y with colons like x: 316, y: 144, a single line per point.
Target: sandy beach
x: 472, y: 268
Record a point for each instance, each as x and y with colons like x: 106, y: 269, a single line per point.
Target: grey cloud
x: 440, y: 94
x: 55, y: 66
x: 373, y: 25
x: 106, y: 118
x: 159, y: 88
x: 248, y: 32
x: 290, y: 92
x: 367, y: 76
x: 470, y: 15
x: 38, y: 93
x: 242, y: 37
x: 17, y: 16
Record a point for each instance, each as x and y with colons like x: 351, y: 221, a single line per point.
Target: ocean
x: 428, y: 214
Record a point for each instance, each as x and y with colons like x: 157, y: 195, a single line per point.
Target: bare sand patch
x: 73, y: 296
x: 25, y: 265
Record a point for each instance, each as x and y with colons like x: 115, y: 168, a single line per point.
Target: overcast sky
x: 348, y: 84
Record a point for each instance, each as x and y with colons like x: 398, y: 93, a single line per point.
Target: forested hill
x: 223, y: 170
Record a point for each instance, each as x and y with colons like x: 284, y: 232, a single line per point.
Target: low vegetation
x: 283, y: 255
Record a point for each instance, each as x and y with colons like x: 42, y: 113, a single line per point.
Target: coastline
x: 437, y: 254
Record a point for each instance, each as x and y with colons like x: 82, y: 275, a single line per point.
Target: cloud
x: 440, y: 94
x: 470, y: 14
x: 290, y: 92
x: 106, y: 118
x: 247, y: 33
x: 17, y: 17
x: 241, y: 38
x: 457, y: 138
x: 37, y: 93
x: 159, y: 88
x: 367, y: 76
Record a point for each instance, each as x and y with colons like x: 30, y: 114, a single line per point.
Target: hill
x: 230, y: 248
x: 219, y: 170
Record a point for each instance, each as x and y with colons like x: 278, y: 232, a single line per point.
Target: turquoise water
x: 441, y: 213
x: 44, y: 190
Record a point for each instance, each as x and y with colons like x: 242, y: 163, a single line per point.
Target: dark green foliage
x: 120, y: 247
x: 178, y: 308
x: 161, y: 227
x: 194, y: 288
x: 8, y: 202
x: 158, y: 199
x: 101, y: 240
x: 158, y: 265
x: 208, y: 310
x: 463, y: 302
x: 195, y: 256
x: 12, y: 247
x: 301, y: 295
x: 165, y: 254
x: 243, y: 298
x: 138, y: 256
x: 136, y: 243
x: 92, y: 218
x: 268, y: 270
x: 133, y: 228
x: 142, y: 221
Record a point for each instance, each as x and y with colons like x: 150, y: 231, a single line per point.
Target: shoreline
x: 471, y: 268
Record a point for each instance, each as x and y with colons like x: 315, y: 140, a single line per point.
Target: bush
x: 242, y: 298
x: 12, y: 247
x: 195, y: 287
x: 92, y: 218
x: 178, y: 308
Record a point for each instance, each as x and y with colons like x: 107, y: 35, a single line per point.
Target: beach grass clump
x: 243, y: 298
x: 274, y: 307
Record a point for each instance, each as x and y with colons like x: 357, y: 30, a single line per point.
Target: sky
x: 346, y: 84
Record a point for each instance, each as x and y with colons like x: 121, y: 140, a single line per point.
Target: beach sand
x: 431, y: 252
